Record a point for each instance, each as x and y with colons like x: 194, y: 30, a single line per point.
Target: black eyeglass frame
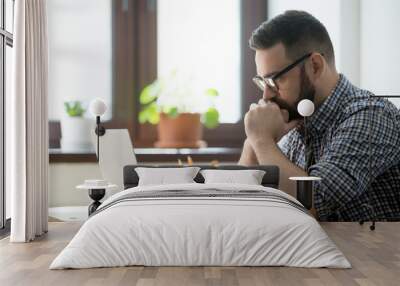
x: 263, y: 82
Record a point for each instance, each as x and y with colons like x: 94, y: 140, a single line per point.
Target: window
x: 80, y: 65
x: 148, y: 40
x: 112, y: 49
x: 6, y: 43
x: 206, y: 47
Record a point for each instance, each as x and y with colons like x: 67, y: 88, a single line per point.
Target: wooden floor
x: 375, y: 257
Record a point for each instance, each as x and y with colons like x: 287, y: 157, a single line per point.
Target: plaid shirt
x: 354, y: 173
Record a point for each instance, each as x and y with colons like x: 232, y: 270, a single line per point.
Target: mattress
x: 201, y: 225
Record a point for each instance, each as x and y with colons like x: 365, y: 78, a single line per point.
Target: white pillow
x: 248, y: 177
x: 164, y: 176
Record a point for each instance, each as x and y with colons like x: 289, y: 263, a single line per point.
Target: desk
x: 374, y: 255
x: 208, y: 154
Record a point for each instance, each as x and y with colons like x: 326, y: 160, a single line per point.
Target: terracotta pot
x: 183, y: 131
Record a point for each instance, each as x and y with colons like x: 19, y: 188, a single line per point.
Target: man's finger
x: 261, y: 101
x: 253, y: 105
x: 285, y: 115
x: 271, y: 103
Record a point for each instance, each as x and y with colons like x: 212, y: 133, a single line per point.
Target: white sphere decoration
x: 305, y: 107
x: 97, y: 107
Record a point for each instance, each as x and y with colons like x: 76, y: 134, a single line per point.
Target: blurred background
x: 121, y: 50
x: 112, y: 49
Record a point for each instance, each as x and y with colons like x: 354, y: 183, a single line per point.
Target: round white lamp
x: 305, y: 107
x: 97, y: 107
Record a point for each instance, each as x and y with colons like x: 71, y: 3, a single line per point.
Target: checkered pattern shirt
x: 355, y: 141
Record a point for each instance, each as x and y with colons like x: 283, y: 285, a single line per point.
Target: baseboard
x: 5, y: 231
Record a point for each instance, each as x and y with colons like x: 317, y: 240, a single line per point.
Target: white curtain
x: 28, y: 123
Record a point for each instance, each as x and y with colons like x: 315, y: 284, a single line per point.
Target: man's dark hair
x: 298, y: 31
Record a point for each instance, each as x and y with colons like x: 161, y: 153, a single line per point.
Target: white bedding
x: 200, y: 231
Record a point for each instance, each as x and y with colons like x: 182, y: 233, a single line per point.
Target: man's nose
x: 268, y: 94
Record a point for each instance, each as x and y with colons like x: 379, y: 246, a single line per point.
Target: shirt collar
x: 326, y: 114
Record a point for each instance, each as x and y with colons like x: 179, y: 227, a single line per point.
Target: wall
x: 349, y: 57
x: 64, y: 177
x: 380, y: 42
x: 364, y: 35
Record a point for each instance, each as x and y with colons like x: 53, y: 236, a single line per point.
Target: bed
x: 201, y: 224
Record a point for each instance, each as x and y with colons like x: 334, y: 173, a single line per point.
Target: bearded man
x: 295, y: 60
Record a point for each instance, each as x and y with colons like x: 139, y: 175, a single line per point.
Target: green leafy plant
x: 74, y: 108
x: 174, y: 95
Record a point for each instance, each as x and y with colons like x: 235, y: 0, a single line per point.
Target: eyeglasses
x: 263, y: 82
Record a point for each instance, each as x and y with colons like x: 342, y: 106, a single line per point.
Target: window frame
x: 6, y: 39
x: 135, y: 66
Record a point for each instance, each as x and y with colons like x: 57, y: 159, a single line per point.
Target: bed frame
x: 270, y: 179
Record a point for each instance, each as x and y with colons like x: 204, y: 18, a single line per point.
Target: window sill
x: 147, y: 155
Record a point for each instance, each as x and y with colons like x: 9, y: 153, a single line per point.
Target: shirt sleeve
x: 362, y: 147
x: 283, y: 144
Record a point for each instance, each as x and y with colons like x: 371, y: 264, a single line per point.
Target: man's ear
x: 316, y: 66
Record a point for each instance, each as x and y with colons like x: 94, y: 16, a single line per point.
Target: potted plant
x: 75, y: 129
x: 179, y: 109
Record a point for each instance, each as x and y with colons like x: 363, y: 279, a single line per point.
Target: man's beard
x: 307, y: 91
